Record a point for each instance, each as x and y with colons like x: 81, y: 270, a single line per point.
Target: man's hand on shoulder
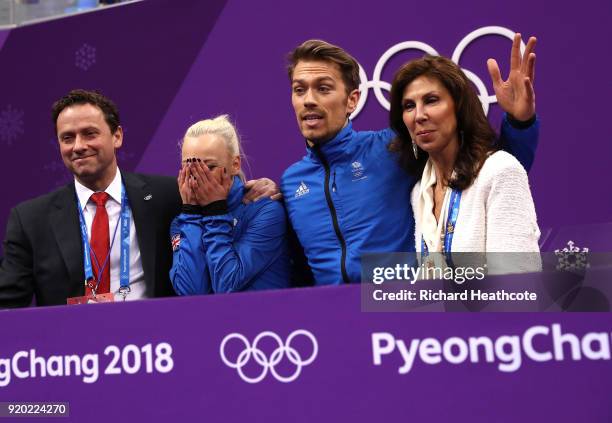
x: 257, y: 189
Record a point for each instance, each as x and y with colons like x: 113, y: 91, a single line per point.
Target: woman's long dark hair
x: 474, y: 128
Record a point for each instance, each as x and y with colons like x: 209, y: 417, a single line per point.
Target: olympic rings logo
x: 377, y: 85
x: 269, y: 364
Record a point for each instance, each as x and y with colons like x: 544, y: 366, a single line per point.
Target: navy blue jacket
x: 244, y: 248
x: 349, y: 196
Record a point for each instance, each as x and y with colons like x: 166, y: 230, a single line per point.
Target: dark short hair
x: 77, y: 97
x: 324, y: 51
x: 474, y: 128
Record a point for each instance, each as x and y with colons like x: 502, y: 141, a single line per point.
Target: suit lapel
x: 64, y: 220
x: 139, y: 197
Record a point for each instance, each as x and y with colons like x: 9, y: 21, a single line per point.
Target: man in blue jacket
x: 348, y: 196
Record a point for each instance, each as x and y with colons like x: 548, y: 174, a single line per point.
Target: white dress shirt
x: 113, y: 208
x: 432, y: 230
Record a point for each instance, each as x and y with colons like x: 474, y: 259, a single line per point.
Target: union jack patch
x: 176, y: 242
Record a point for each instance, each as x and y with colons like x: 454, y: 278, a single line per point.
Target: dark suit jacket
x: 43, y: 251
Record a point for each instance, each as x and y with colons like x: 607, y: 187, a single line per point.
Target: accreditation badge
x: 109, y: 297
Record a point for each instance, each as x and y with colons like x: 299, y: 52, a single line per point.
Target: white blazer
x: 496, y: 213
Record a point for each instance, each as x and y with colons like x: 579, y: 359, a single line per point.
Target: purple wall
x: 167, y: 66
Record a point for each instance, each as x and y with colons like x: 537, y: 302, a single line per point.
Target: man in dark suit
x: 45, y: 238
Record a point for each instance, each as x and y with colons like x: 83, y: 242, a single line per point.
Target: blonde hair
x: 222, y: 127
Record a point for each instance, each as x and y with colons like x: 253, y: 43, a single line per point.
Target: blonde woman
x: 221, y: 244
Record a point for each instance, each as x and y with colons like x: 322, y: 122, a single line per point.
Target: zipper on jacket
x: 334, y: 183
x: 332, y: 210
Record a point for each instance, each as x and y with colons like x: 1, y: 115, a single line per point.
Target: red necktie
x: 100, y: 243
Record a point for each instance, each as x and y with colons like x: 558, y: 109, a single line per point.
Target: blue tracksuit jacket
x: 348, y: 197
x: 243, y: 249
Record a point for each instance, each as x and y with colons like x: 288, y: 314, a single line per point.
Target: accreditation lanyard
x: 124, y: 270
x: 449, y: 228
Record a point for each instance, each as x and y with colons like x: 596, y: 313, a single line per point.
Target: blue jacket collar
x: 335, y: 148
x: 234, y: 198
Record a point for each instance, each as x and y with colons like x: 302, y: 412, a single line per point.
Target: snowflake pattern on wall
x: 55, y: 169
x: 124, y: 156
x: 11, y: 124
x: 572, y: 257
x: 85, y: 57
x: 57, y: 173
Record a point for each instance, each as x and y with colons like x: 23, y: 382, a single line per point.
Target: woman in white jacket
x: 471, y: 197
